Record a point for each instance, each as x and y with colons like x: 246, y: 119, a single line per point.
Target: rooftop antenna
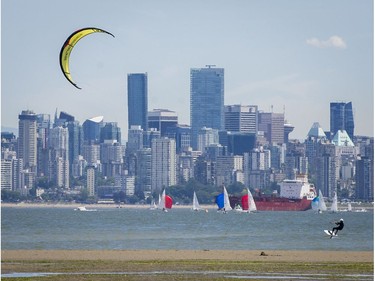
x: 210, y: 65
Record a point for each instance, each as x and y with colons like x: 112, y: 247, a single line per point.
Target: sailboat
x: 196, y: 206
x: 321, y: 204
x: 153, y: 205
x: 227, y: 206
x: 251, y: 207
x: 349, y: 207
x: 334, y: 208
x: 165, y: 202
x: 222, y: 201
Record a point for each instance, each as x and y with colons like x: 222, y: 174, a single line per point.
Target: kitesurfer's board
x: 329, y: 232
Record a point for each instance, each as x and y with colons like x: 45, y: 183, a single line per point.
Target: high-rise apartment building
x: 341, y: 118
x: 163, y: 164
x: 241, y: 118
x: 206, y: 100
x: 59, y: 143
x: 91, y: 181
x: 137, y: 100
x: 27, y: 139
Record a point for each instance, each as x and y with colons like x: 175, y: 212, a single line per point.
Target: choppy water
x: 63, y: 228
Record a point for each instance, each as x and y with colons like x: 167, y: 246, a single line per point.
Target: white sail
x: 322, y: 204
x: 251, y: 202
x: 349, y: 207
x: 334, y: 204
x: 162, y: 201
x: 227, y: 206
x: 196, y: 206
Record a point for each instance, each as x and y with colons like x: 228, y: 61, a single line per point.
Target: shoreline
x: 169, y: 255
x: 93, y: 206
x: 126, y: 206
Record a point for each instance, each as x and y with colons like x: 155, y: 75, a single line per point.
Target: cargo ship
x: 295, y: 195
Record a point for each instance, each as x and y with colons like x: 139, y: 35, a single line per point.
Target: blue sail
x: 315, y: 203
x: 220, y: 201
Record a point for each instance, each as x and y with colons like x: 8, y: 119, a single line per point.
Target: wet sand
x: 146, y: 255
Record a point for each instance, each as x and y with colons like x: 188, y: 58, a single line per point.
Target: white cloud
x: 333, y: 42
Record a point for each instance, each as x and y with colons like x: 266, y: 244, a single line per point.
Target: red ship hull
x: 282, y: 204
x: 277, y: 203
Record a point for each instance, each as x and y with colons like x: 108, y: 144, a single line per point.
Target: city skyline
x: 294, y: 55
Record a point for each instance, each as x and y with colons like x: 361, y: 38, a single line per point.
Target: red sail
x: 245, y: 202
x: 168, y: 202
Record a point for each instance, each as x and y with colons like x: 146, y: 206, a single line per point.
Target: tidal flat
x: 197, y: 265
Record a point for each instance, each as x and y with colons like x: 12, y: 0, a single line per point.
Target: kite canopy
x: 69, y: 45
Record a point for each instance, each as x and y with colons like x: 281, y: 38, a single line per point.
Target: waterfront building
x: 27, y: 139
x: 341, y: 118
x: 6, y: 174
x: 206, y: 100
x: 241, y: 118
x: 163, y: 164
x: 137, y: 100
x: 90, y: 179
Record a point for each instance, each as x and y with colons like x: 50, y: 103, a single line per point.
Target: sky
x: 287, y: 56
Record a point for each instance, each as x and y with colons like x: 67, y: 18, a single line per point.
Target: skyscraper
x: 91, y: 129
x: 206, y: 100
x: 162, y: 119
x: 137, y: 100
x: 272, y: 124
x: 27, y: 139
x: 341, y: 118
x: 241, y: 118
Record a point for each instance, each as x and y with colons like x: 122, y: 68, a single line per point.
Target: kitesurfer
x: 339, y: 226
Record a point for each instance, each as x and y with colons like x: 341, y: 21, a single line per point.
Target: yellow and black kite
x: 69, y: 45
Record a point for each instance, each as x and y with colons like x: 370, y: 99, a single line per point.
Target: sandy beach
x: 137, y: 255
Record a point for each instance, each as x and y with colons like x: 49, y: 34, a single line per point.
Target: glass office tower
x: 341, y: 118
x: 137, y: 100
x: 206, y: 100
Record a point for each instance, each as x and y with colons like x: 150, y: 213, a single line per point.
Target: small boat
x: 165, y: 202
x: 349, y: 207
x: 83, y: 209
x: 248, y: 203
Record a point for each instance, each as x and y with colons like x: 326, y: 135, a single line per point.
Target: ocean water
x: 132, y: 228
